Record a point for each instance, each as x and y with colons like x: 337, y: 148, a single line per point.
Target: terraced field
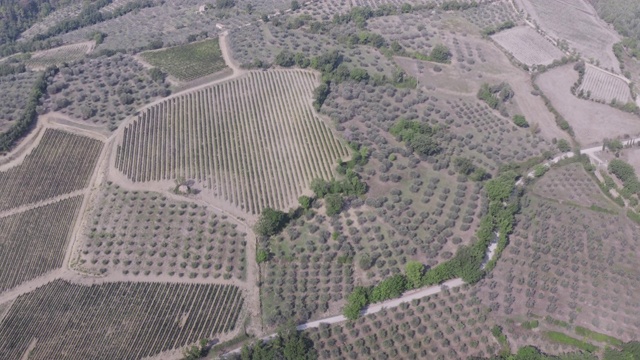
x: 116, y: 320
x: 60, y: 55
x: 253, y: 142
x: 60, y: 164
x: 34, y: 242
x: 604, y: 86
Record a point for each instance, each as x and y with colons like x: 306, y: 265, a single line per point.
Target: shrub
x: 520, y: 121
x: 270, y: 222
x: 334, y: 204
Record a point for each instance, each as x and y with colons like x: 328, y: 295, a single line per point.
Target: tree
x: 295, y: 5
x: 285, y: 59
x: 358, y: 299
x: 262, y: 256
x: 157, y: 75
x: 414, y: 271
x: 440, y: 53
x: 270, y: 222
x: 464, y: 165
x: 424, y: 144
x: 305, y: 202
x: 334, y: 204
x: 320, y: 95
x: 563, y: 145
x: 499, y: 189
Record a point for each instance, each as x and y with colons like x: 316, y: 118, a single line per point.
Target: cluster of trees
x: 289, y: 344
x: 351, y: 185
x: 420, y: 137
x: 488, y: 31
x: 18, y: 16
x: 504, y: 204
x: 496, y: 96
x: 270, y: 222
x: 467, y: 168
x: 360, y: 14
x: 30, y: 115
x: 627, y: 174
x: 9, y: 69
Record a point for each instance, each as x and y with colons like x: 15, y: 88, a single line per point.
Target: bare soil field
x: 576, y: 22
x: 591, y: 122
x: 605, y: 87
x: 527, y: 46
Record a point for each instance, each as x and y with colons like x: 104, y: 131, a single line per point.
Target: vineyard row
x: 60, y: 164
x: 34, y: 242
x: 121, y: 320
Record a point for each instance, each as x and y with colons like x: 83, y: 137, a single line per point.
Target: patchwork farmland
x: 600, y: 85
x: 253, y: 142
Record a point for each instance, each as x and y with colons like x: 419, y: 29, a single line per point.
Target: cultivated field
x: 136, y: 233
x: 591, y: 122
x: 253, y: 142
x: 450, y: 325
x: 60, y: 55
x: 104, y: 90
x: 570, y: 184
x: 576, y: 22
x: 35, y: 241
x: 570, y: 267
x: 603, y: 86
x: 188, y: 62
x: 115, y: 320
x: 14, y: 90
x: 60, y: 164
x: 527, y: 46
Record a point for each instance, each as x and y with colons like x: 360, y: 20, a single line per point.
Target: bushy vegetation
x: 626, y: 173
x: 520, y: 121
x: 287, y: 345
x: 496, y: 96
x: 30, y: 115
x: 418, y: 136
x: 270, y: 222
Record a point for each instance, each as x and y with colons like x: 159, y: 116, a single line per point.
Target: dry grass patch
x: 591, y: 122
x: 527, y: 46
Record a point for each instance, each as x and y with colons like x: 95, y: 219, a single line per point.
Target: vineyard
x: 253, y: 142
x: 450, y: 325
x: 145, y: 233
x: 60, y: 164
x: 35, y: 241
x: 527, y: 46
x: 600, y: 85
x: 59, y: 55
x: 120, y: 320
x: 188, y: 62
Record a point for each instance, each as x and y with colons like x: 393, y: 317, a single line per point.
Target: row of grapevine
x: 604, y: 86
x: 253, y: 141
x: 377, y: 3
x: 60, y: 164
x: 121, y: 320
x: 34, y: 242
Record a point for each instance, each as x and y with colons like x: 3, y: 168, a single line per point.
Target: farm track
x: 31, y: 206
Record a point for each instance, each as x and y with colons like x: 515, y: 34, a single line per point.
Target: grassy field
x: 133, y: 320
x: 527, y: 46
x: 252, y: 142
x: 188, y: 62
